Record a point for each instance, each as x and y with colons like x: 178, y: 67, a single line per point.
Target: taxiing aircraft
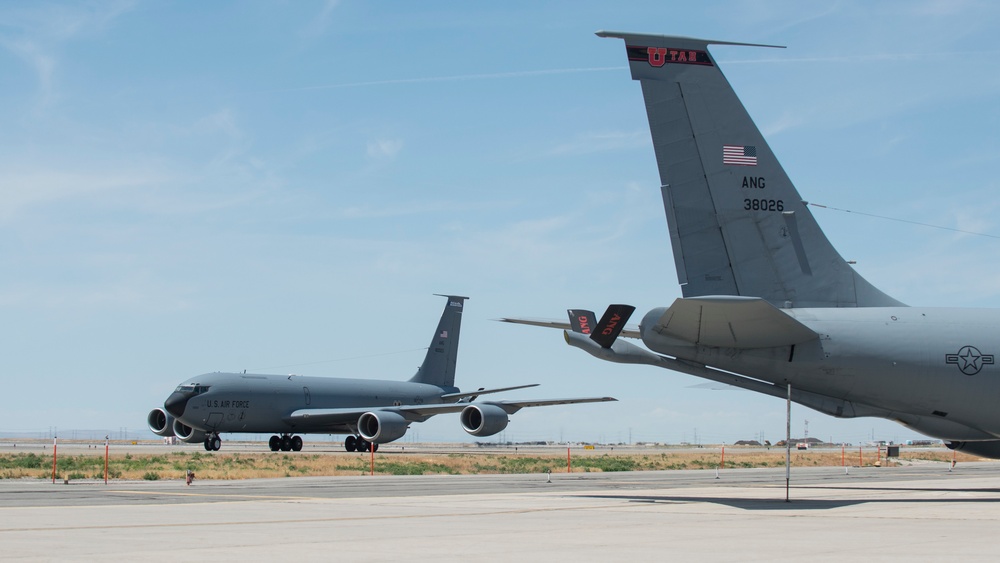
x: 371, y: 411
x: 767, y: 300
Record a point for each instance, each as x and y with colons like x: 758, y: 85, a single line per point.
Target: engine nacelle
x: 160, y: 422
x: 483, y: 419
x: 379, y: 427
x: 187, y: 434
x: 988, y: 448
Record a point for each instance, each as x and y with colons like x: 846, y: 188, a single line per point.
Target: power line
x: 901, y: 220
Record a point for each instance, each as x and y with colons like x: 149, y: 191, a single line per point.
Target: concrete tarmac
x: 921, y: 512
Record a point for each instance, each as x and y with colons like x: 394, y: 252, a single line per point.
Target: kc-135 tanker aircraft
x: 767, y: 300
x: 370, y: 411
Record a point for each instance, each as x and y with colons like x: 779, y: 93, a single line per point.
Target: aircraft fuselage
x: 933, y: 369
x: 236, y: 402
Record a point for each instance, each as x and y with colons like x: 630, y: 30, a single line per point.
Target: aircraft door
x: 308, y: 396
x: 214, y: 420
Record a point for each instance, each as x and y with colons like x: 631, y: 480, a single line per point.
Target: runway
x: 918, y: 512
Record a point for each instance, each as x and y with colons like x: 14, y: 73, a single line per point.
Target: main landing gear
x: 212, y: 443
x: 285, y: 443
x: 359, y: 444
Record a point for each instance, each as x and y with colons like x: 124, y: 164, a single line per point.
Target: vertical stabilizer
x: 737, y: 224
x: 439, y: 363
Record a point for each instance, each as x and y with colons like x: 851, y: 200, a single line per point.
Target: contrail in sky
x: 554, y: 71
x: 456, y: 78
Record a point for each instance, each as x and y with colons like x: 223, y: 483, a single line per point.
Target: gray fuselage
x: 932, y: 369
x: 236, y: 402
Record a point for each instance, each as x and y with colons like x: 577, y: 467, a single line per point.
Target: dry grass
x: 268, y: 465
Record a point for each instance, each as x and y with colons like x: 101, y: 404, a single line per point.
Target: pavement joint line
x: 217, y: 495
x: 303, y: 520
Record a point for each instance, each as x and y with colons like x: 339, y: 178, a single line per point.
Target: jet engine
x: 379, y: 427
x: 988, y: 448
x: 161, y: 423
x: 187, y: 434
x: 483, y: 420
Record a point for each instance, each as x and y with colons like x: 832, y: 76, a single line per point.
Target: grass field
x: 174, y: 465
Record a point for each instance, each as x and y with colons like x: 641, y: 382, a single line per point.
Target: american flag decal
x: 739, y: 155
x: 444, y: 334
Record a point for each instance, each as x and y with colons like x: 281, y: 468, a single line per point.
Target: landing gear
x: 285, y: 443
x: 213, y: 443
x: 359, y: 444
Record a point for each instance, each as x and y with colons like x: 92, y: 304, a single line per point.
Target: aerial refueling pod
x: 483, y: 419
x: 187, y: 434
x: 160, y: 422
x: 379, y: 427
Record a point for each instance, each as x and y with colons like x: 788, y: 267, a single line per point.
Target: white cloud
x: 384, y: 148
x: 786, y: 121
x: 19, y: 190
x: 36, y: 32
x: 589, y: 143
x: 42, y: 63
x: 319, y: 24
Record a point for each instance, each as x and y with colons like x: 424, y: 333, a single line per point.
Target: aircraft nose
x: 176, y: 402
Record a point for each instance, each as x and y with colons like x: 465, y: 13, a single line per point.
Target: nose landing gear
x: 213, y: 442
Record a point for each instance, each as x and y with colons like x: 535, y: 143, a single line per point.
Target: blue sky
x: 282, y: 186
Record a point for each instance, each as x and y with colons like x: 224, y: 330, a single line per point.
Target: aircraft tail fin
x: 442, y: 354
x: 737, y: 224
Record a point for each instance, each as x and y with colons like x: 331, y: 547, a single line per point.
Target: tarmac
x: 921, y: 512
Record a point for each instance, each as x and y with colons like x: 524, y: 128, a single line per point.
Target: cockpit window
x: 194, y: 389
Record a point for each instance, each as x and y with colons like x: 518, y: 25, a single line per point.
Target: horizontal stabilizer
x: 629, y: 36
x: 731, y: 322
x: 630, y: 331
x: 455, y: 396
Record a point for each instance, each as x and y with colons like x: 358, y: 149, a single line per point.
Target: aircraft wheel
x: 274, y: 443
x: 297, y: 443
x: 208, y: 445
x: 350, y: 443
x: 216, y: 443
x: 362, y: 445
x: 374, y: 447
x: 286, y: 444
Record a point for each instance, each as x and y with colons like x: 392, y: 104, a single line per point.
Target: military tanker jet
x: 370, y: 411
x: 767, y: 300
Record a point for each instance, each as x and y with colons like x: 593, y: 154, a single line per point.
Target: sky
x: 283, y: 186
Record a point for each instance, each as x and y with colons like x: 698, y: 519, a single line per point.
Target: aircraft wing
x: 419, y: 413
x: 415, y: 413
x: 327, y: 416
x: 630, y: 331
x: 731, y: 322
x: 513, y: 406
